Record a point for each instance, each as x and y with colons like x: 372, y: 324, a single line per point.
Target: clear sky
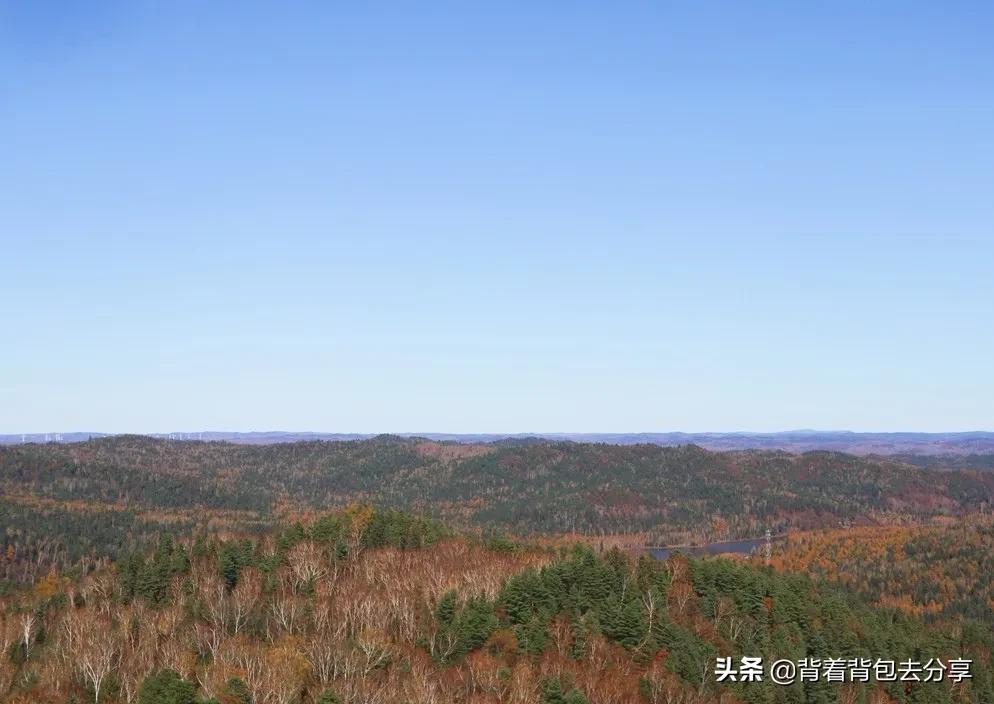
x: 517, y: 216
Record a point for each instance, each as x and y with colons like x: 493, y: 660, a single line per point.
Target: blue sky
x: 496, y: 217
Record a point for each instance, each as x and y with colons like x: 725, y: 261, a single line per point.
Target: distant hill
x: 926, y: 444
x: 673, y: 495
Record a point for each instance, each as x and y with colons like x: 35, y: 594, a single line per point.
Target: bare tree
x: 28, y: 621
x: 307, y: 562
x: 244, y: 598
x: 96, y: 651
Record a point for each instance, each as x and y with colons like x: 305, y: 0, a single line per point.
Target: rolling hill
x: 659, y: 494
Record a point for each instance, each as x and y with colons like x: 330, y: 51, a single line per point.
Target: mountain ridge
x: 851, y: 442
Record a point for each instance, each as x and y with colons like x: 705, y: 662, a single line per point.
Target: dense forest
x: 124, y: 489
x: 943, y: 573
x: 984, y: 461
x: 365, y: 606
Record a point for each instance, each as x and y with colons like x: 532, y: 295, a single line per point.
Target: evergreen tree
x: 166, y: 687
x: 575, y: 696
x: 532, y: 635
x: 445, y: 610
x: 580, y: 633
x: 129, y: 570
x: 474, y: 624
x: 229, y: 560
x: 236, y: 692
x: 153, y: 581
x: 553, y: 691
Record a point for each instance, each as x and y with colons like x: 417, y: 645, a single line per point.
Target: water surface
x: 736, y: 547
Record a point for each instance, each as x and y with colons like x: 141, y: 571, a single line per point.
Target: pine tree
x: 514, y: 598
x: 575, y: 696
x: 555, y: 692
x: 230, y: 564
x: 235, y: 692
x: 166, y: 687
x: 552, y: 691
x: 533, y: 635
x: 580, y: 634
x: 474, y: 624
x: 445, y: 610
x: 633, y: 624
x: 153, y: 581
x: 128, y: 574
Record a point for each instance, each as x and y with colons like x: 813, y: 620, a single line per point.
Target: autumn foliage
x: 367, y: 607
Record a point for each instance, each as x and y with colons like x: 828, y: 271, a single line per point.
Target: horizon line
x: 502, y: 433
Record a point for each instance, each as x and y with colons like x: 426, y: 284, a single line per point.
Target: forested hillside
x: 943, y: 573
x: 381, y: 607
x: 124, y: 489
